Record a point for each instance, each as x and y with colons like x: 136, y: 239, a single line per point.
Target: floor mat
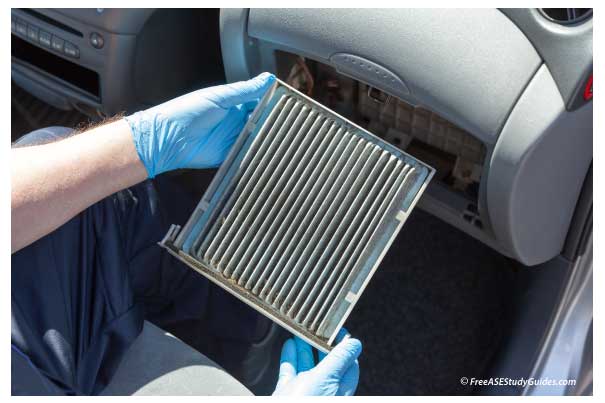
x: 434, y: 312
x: 28, y: 113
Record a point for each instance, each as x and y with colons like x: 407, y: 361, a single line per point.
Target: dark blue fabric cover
x: 81, y: 293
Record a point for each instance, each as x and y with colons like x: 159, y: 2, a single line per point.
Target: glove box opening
x: 456, y: 155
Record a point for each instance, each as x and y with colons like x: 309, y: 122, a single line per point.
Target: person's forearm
x: 52, y: 183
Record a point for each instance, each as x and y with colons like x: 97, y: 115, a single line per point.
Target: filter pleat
x: 351, y: 262
x: 251, y: 190
x: 287, y: 210
x: 251, y: 158
x: 256, y: 206
x: 290, y: 227
x: 324, y: 224
x: 337, y: 237
x: 335, y: 174
x: 278, y: 207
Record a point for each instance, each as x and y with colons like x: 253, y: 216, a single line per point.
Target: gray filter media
x: 300, y: 214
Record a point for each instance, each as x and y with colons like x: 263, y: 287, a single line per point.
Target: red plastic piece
x: 588, y: 89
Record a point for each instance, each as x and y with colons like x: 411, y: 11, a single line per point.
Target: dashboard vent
x: 300, y: 214
x: 567, y: 16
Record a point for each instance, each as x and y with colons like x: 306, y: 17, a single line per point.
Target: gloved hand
x: 195, y: 130
x: 336, y: 374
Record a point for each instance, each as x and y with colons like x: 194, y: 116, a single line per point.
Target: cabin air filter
x: 300, y: 214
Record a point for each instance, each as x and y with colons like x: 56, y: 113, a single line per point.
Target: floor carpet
x: 434, y: 311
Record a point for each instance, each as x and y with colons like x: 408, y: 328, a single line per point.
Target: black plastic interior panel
x: 171, y: 59
x: 114, y: 20
x: 112, y: 62
x: 468, y: 65
x: 80, y: 77
x: 146, y: 56
x: 566, y: 50
x: 581, y: 223
x: 52, y: 21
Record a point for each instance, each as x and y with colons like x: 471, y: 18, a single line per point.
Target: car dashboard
x: 498, y: 101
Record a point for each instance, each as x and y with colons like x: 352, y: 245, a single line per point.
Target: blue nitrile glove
x: 195, y: 130
x: 336, y: 374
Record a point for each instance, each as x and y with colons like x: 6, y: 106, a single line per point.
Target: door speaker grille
x: 300, y: 214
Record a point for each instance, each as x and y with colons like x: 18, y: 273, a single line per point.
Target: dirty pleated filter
x: 300, y: 214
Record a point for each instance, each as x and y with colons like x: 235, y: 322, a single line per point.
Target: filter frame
x: 180, y: 243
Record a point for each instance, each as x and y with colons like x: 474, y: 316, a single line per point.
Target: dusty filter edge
x: 385, y: 221
x: 167, y: 243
